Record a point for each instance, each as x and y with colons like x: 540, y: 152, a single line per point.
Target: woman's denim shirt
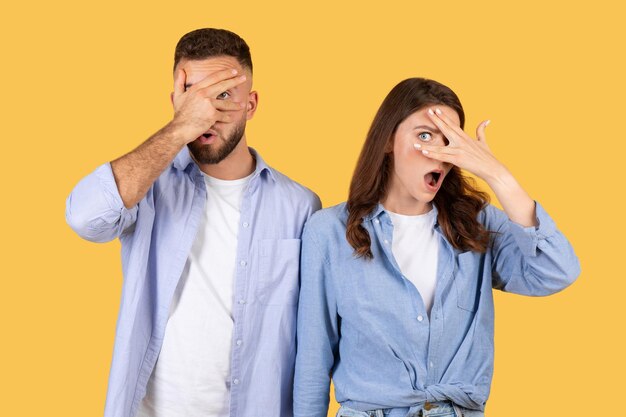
x: 363, y: 323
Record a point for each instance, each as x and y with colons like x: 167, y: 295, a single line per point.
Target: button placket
x: 241, y: 287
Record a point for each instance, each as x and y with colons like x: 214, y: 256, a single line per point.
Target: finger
x: 216, y: 78
x: 439, y: 149
x: 179, y: 83
x: 449, y: 122
x: 227, y: 105
x: 217, y: 89
x: 444, y: 157
x: 450, y: 134
x: 480, y: 131
x: 224, y: 117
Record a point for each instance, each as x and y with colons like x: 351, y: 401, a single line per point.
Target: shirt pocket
x: 279, y: 267
x: 466, y: 280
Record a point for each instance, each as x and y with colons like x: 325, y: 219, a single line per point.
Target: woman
x: 396, y: 290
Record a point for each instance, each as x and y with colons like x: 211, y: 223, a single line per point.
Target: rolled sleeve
x: 528, y: 238
x: 95, y: 210
x: 536, y: 260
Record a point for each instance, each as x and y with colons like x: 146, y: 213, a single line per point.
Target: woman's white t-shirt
x: 416, y: 247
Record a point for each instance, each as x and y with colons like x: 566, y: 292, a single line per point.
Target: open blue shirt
x: 156, y: 237
x: 363, y: 323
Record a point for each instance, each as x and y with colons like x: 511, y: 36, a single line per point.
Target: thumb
x: 179, y: 83
x: 480, y: 131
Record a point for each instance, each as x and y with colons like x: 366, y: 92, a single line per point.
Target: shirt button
x: 242, y: 301
x: 386, y: 242
x: 245, y: 224
x: 376, y: 221
x: 235, y: 381
x: 243, y: 263
x: 239, y: 342
x: 431, y: 364
x: 420, y: 318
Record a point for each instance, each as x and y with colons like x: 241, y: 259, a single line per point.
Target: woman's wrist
x: 515, y: 201
x: 499, y: 177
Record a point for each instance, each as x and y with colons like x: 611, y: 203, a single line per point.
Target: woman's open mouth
x: 433, y: 180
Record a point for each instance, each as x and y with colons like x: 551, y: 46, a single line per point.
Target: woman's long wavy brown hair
x: 458, y: 201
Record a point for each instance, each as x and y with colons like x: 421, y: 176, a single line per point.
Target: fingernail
x: 425, y: 152
x: 487, y: 122
x: 430, y: 111
x: 438, y: 111
x: 417, y: 145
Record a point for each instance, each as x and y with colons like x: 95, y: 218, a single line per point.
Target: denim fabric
x: 363, y: 323
x: 436, y: 409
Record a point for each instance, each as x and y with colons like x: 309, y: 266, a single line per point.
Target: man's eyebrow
x: 432, y: 129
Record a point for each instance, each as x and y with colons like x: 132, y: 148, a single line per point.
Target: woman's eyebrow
x: 432, y: 129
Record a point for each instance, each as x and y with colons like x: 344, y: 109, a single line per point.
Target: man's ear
x: 251, y: 104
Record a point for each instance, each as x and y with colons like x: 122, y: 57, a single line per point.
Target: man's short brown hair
x: 210, y: 42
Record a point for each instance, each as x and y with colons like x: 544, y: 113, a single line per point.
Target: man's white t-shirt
x: 416, y: 247
x: 192, y: 375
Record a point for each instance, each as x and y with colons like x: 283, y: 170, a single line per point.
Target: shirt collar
x: 379, y: 210
x: 183, y: 159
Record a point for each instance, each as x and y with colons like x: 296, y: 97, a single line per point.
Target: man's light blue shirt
x: 156, y: 237
x: 363, y: 323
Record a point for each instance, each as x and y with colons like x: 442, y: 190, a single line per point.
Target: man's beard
x: 205, y: 154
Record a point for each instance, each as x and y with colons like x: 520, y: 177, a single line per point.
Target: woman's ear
x: 389, y: 145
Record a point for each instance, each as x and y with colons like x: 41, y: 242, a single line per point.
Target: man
x: 210, y: 250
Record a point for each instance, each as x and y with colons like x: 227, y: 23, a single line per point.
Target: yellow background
x: 83, y: 82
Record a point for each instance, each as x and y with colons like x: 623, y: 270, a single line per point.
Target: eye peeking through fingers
x: 433, y: 139
x: 425, y: 137
x: 223, y: 96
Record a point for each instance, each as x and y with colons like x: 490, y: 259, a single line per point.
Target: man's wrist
x: 177, y: 133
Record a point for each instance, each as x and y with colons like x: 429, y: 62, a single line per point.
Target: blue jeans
x: 435, y: 409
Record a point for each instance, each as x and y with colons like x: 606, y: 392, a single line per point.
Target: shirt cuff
x: 104, y: 173
x: 528, y: 238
